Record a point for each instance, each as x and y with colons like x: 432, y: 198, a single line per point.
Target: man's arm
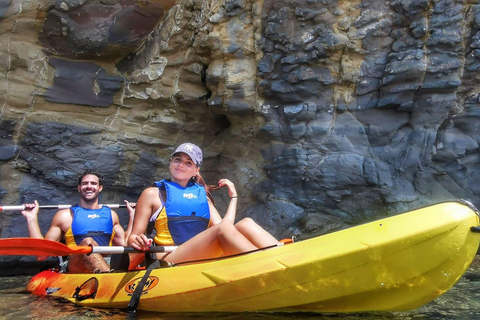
x: 131, y: 215
x: 119, y: 238
x: 54, y: 233
x: 61, y: 222
x: 31, y: 214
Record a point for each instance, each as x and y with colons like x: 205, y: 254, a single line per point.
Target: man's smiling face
x: 90, y: 188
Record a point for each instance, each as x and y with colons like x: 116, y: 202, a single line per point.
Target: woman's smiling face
x: 182, y: 168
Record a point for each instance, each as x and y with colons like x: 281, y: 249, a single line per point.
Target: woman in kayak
x: 183, y: 212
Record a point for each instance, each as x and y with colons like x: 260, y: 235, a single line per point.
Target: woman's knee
x: 224, y: 227
x: 245, y: 224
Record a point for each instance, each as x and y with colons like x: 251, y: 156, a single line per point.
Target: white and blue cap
x: 193, y: 152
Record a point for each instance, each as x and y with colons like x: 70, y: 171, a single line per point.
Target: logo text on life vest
x: 93, y: 216
x: 190, y: 196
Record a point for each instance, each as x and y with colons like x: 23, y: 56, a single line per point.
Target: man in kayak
x: 183, y: 212
x: 83, y: 225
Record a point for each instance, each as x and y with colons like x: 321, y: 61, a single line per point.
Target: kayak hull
x: 394, y: 264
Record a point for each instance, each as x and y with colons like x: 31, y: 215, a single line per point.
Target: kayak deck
x: 395, y: 264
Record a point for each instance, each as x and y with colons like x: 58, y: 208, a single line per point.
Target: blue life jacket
x: 185, y: 214
x: 94, y: 223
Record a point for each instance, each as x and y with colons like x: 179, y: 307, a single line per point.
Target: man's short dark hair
x: 93, y: 172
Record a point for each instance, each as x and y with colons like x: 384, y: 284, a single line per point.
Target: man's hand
x: 31, y: 211
x: 131, y: 208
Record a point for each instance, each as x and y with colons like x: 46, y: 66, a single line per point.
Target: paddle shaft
x: 120, y: 250
x: 44, y: 247
x: 56, y: 206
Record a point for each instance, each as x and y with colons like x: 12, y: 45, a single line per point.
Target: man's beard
x: 87, y: 199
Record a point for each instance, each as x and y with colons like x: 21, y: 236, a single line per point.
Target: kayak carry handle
x: 475, y: 229
x: 88, y: 290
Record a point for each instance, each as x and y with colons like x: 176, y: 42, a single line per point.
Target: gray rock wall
x: 325, y: 114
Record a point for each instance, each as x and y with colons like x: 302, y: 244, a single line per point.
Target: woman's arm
x: 232, y: 206
x: 147, y: 204
x: 215, y: 217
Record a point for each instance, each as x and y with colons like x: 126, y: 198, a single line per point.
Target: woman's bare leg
x: 255, y: 233
x: 222, y: 238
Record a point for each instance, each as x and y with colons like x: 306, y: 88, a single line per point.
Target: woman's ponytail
x: 208, y: 189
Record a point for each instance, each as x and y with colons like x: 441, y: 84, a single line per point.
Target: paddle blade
x: 38, y: 247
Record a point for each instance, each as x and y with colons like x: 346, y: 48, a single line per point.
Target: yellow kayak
x: 396, y: 264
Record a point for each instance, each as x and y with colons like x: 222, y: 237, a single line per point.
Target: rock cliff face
x: 324, y: 113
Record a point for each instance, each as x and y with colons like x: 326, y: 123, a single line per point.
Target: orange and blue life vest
x: 185, y: 213
x: 94, y: 223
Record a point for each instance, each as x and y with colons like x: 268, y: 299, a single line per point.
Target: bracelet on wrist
x: 233, y: 197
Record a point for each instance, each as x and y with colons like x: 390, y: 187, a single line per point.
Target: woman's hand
x: 140, y: 242
x: 232, y: 192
